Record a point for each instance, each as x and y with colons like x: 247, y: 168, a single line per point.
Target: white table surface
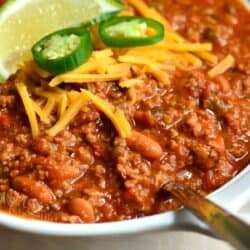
x: 156, y: 241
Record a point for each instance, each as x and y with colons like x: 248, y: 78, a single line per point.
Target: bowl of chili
x: 220, y: 24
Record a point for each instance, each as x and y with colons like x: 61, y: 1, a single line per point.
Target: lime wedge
x: 23, y: 22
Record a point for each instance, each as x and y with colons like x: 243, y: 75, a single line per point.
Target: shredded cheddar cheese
x: 153, y: 67
x: 66, y: 118
x: 170, y: 35
x: 191, y: 47
x: 49, y: 107
x: 130, y: 83
x: 103, y: 54
x: 62, y: 105
x: 146, y: 11
x: 132, y: 95
x: 46, y: 93
x: 124, y: 67
x: 27, y: 102
x: 227, y: 63
x: 116, y: 115
x: 85, y: 78
x: 95, y: 65
x: 43, y: 117
x: 79, y: 100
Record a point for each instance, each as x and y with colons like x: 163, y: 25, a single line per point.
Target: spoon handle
x: 224, y: 224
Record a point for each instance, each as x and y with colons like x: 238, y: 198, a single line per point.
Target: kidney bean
x: 33, y: 188
x: 82, y: 208
x: 145, y: 145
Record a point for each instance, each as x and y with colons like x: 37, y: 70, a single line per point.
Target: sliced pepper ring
x: 75, y: 45
x: 124, y: 38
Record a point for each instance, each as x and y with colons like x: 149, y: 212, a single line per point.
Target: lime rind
x: 3, y: 73
x: 10, y: 7
x: 108, y: 9
x: 2, y: 79
x: 107, y: 6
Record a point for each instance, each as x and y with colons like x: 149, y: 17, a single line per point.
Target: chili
x: 194, y: 130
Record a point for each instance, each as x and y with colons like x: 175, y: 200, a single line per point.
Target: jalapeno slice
x: 63, y: 50
x: 130, y: 31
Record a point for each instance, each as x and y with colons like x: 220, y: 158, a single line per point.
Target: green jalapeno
x: 130, y: 31
x: 63, y: 50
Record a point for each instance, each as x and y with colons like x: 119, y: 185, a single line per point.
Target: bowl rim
x: 238, y: 186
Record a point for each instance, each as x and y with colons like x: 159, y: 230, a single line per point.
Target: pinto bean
x: 82, y: 208
x: 145, y: 145
x: 33, y: 188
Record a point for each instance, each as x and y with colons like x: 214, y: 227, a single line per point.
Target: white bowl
x: 153, y: 232
x: 232, y: 196
x: 132, y: 234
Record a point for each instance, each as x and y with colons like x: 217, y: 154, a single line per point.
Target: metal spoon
x: 225, y: 225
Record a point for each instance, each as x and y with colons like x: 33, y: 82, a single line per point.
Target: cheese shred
x: 227, y: 63
x: 116, y: 115
x: 146, y: 11
x: 153, y: 67
x: 85, y: 78
x: 182, y: 47
x: 130, y: 83
x: 43, y: 117
x: 62, y: 105
x: 66, y: 118
x: 27, y: 102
